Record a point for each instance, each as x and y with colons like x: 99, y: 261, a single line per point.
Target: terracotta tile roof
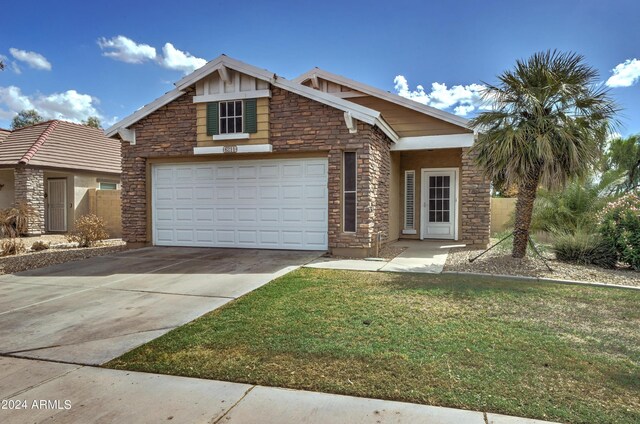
x: 61, y: 144
x: 4, y: 134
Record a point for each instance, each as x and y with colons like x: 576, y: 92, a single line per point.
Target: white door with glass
x: 57, y: 204
x: 439, y: 204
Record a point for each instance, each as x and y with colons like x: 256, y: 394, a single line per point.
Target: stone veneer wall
x: 298, y: 124
x: 169, y: 131
x: 29, y: 188
x: 476, y: 202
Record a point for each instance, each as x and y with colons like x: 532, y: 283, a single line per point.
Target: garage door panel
x: 225, y: 172
x: 316, y: 170
x: 183, y: 193
x: 247, y: 193
x: 292, y: 170
x: 273, y: 204
x: 292, y: 192
x: 225, y: 215
x: 204, y: 215
x: 269, y: 192
x: 269, y: 171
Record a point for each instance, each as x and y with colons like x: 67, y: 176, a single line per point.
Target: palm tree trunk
x: 524, y: 210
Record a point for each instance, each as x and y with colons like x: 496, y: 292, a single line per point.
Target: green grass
x: 555, y: 352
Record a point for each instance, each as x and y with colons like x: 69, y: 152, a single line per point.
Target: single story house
x: 237, y: 156
x: 51, y: 166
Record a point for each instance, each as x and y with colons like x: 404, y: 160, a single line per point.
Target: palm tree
x: 548, y: 123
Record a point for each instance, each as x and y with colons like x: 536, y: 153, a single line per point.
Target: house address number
x: 230, y: 149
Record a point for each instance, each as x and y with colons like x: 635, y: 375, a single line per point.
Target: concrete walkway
x: 82, y: 394
x: 419, y: 256
x: 91, y: 311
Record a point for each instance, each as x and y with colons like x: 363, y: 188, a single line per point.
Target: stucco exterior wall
x: 81, y: 186
x: 417, y: 160
x: 396, y: 184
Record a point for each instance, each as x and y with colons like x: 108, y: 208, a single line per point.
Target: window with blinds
x: 349, y: 178
x: 409, y: 199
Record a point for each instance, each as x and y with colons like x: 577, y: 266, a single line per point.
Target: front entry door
x: 57, y: 204
x: 439, y: 204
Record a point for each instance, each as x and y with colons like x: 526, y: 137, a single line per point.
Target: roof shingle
x: 61, y: 144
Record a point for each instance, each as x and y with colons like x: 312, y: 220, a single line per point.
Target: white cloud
x: 68, y: 105
x: 126, y: 50
x: 33, y: 59
x: 179, y: 60
x: 625, y: 74
x: 15, y: 68
x: 464, y: 99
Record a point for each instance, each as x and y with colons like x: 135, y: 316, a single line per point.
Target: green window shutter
x: 212, y: 118
x: 250, y: 116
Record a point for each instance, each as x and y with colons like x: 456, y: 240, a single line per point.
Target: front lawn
x: 555, y: 352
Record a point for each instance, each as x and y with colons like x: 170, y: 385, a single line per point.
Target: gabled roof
x: 376, y: 92
x: 358, y: 112
x: 4, y: 134
x: 60, y: 144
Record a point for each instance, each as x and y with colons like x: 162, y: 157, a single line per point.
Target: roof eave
x: 144, y: 111
x: 376, y: 92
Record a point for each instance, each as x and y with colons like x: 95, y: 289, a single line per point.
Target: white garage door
x: 268, y: 204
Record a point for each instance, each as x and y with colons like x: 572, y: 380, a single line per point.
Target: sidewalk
x: 419, y: 256
x: 103, y: 395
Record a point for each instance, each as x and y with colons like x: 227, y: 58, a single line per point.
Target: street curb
x: 539, y: 279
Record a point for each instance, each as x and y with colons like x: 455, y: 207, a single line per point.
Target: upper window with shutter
x: 232, y: 117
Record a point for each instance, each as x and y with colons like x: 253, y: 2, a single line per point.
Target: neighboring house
x: 236, y: 156
x: 51, y: 166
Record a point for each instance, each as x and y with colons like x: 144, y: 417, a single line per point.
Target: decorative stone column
x: 476, y: 202
x: 29, y: 189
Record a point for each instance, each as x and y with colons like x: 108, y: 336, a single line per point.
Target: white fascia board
x: 224, y: 61
x: 246, y: 148
x: 144, y: 111
x: 376, y: 92
x: 434, y: 142
x: 232, y: 96
x: 361, y: 113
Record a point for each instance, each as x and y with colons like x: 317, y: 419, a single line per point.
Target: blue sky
x: 74, y: 59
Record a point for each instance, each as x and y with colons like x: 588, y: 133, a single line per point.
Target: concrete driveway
x: 91, y: 311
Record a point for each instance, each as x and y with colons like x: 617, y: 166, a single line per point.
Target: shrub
x: 585, y: 248
x: 88, y: 230
x: 14, y: 221
x: 576, y: 206
x: 21, y: 214
x: 6, y: 224
x: 11, y: 246
x: 39, y: 245
x: 620, y: 224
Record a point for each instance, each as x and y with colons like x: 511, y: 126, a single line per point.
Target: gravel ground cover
x: 499, y: 261
x: 31, y: 260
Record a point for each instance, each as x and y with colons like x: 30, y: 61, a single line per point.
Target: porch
x: 439, y: 195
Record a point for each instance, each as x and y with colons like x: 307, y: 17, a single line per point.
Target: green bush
x: 584, y: 248
x: 620, y: 225
x: 88, y: 230
x: 574, y: 207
